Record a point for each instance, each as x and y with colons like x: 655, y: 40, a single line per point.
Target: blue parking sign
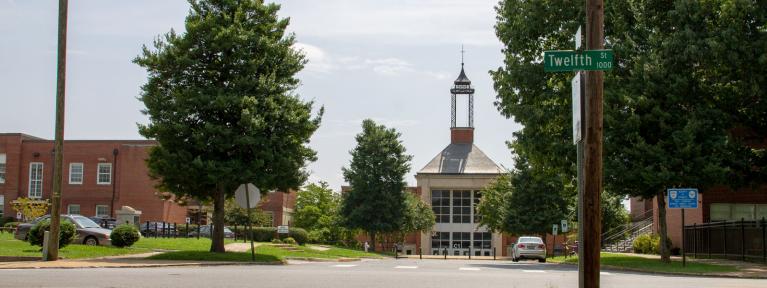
x: 683, y: 198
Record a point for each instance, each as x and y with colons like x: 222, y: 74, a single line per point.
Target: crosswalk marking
x: 344, y: 265
x: 469, y: 268
x: 605, y: 273
x: 533, y: 271
x: 405, y: 267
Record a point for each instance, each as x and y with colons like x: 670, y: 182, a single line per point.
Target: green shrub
x: 263, y: 234
x: 276, y: 241
x: 298, y: 234
x: 124, y: 235
x: 11, y: 224
x: 290, y: 241
x: 648, y: 244
x: 67, y: 233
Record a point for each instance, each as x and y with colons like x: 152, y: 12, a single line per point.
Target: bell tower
x: 462, y: 91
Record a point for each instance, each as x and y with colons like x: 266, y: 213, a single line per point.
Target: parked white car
x: 529, y: 247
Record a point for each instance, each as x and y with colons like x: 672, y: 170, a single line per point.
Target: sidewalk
x: 454, y: 257
x: 745, y: 269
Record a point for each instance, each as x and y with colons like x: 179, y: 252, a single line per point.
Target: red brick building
x: 100, y: 176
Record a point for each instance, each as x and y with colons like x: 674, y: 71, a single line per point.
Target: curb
x: 322, y: 259
x: 618, y: 268
x: 158, y: 265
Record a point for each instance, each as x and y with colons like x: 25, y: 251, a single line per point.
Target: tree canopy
x: 376, y: 174
x: 221, y: 103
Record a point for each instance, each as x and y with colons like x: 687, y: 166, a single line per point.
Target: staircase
x: 621, y: 239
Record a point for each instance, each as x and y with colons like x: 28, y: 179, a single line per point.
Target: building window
x: 439, y: 241
x: 482, y: 240
x: 73, y: 209
x: 736, y: 212
x: 270, y: 218
x: 461, y: 206
x: 104, y: 175
x: 2, y: 204
x: 477, y: 195
x: 440, y: 204
x: 36, y: 180
x: 2, y: 168
x: 102, y: 211
x: 761, y: 211
x: 461, y: 240
x: 75, y: 173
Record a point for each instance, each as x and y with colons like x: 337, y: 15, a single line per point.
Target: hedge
x: 67, y: 233
x: 267, y: 234
x: 124, y: 235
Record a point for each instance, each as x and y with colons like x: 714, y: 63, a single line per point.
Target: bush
x: 290, y: 241
x: 299, y: 235
x: 124, y: 235
x: 276, y: 241
x: 66, y: 234
x: 263, y: 234
x: 649, y: 244
x: 11, y: 224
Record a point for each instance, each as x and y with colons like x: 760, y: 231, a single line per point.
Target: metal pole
x: 199, y: 221
x: 114, y: 183
x: 694, y: 241
x: 592, y: 160
x: 764, y: 240
x: 684, y: 251
x: 724, y: 240
x: 53, y: 244
x: 708, y: 240
x: 742, y: 239
x: 186, y: 230
x: 420, y: 253
x: 493, y: 253
x: 252, y: 247
x: 155, y: 230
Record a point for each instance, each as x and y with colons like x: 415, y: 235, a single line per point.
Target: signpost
x: 573, y: 60
x: 682, y: 198
x: 554, y: 229
x: 243, y: 196
x: 283, y: 229
x: 564, y: 226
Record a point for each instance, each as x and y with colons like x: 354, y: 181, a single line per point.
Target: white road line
x: 605, y: 273
x: 344, y: 265
x: 469, y: 269
x: 533, y: 271
x: 405, y: 267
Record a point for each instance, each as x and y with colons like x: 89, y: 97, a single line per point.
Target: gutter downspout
x: 114, y: 183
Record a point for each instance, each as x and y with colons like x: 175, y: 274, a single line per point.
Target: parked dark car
x: 205, y: 232
x: 88, y: 232
x: 108, y: 223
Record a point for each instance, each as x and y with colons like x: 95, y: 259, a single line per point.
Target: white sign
x: 188, y: 220
x: 564, y: 226
x: 578, y: 39
x: 283, y: 229
x: 18, y: 215
x: 554, y: 229
x: 240, y: 198
x: 576, y: 86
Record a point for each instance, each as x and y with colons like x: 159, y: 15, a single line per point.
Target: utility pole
x: 53, y: 240
x: 592, y: 154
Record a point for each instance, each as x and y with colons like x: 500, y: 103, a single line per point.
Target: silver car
x: 529, y: 247
x: 88, y: 232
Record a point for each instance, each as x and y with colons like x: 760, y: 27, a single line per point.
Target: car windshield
x: 85, y: 222
x: 530, y: 240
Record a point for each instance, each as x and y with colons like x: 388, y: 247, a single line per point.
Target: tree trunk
x: 665, y: 251
x: 373, y: 240
x: 217, y: 234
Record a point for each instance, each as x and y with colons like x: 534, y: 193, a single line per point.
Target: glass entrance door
x: 460, y: 243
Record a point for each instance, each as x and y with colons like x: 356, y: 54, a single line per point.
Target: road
x: 368, y: 274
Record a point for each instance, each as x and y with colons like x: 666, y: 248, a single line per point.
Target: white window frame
x: 2, y: 168
x: 34, y: 194
x: 98, y: 173
x: 2, y: 203
x: 106, y: 209
x: 69, y: 209
x: 82, y: 173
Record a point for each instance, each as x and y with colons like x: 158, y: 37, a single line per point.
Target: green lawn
x: 265, y: 253
x: 184, y: 244
x: 208, y: 256
x: 12, y: 247
x: 651, y: 265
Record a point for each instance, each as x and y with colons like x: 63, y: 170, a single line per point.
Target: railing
x: 621, y: 238
x: 739, y: 240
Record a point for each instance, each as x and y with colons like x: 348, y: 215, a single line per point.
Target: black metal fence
x: 737, y: 240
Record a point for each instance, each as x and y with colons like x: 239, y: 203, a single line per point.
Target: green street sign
x: 569, y: 60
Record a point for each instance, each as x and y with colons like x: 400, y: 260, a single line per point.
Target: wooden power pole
x: 53, y: 240
x: 592, y: 154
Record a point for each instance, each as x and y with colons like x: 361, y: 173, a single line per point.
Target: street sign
x: 241, y: 199
x: 569, y: 60
x: 554, y: 229
x: 683, y: 198
x: 564, y: 226
x: 283, y: 229
x: 188, y: 220
x: 576, y: 87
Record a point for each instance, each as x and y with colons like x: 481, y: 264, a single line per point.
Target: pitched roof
x: 461, y: 159
x: 462, y: 79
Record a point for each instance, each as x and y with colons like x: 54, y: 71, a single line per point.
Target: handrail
x: 630, y: 229
x: 643, y: 217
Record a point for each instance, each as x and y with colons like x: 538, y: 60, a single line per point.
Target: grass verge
x: 208, y: 256
x: 651, y: 265
x: 12, y: 247
x: 265, y: 253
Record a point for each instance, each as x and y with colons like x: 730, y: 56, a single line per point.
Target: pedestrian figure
x: 367, y: 246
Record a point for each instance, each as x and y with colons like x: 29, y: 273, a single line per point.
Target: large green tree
x: 318, y: 211
x: 537, y: 201
x: 418, y: 216
x: 221, y: 103
x: 376, y: 174
x: 684, y: 98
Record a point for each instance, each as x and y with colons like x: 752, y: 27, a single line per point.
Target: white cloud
x: 318, y: 59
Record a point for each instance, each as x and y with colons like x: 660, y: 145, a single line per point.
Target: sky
x: 390, y: 61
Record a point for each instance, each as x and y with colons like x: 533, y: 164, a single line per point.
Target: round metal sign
x: 254, y: 193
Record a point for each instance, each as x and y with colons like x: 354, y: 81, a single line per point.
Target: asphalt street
x: 368, y: 274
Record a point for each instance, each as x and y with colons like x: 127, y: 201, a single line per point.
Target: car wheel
x: 542, y: 260
x: 91, y: 241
